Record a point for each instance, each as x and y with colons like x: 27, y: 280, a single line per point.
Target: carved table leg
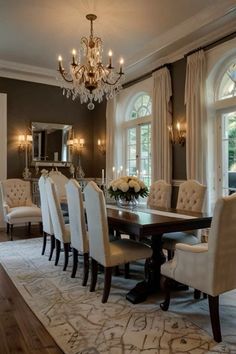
x: 152, y: 274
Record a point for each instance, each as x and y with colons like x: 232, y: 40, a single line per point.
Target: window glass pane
x: 229, y: 153
x: 228, y: 83
x: 141, y: 107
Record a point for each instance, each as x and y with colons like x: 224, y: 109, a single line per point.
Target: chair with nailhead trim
x: 18, y: 207
x: 190, y: 198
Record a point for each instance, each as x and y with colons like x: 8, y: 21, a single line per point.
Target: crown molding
x: 149, y: 63
x: 30, y: 73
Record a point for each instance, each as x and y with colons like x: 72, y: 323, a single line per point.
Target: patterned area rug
x: 80, y: 323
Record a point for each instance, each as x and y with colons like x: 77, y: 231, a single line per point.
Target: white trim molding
x: 177, y: 182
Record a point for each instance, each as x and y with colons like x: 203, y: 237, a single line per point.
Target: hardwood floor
x: 20, y: 330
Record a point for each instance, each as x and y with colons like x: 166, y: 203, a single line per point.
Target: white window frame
x: 135, y: 123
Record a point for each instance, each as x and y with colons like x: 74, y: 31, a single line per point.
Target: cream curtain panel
x: 161, y: 119
x: 110, y: 137
x: 196, y: 117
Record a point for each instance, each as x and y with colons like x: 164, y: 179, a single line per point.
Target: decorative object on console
x: 90, y: 79
x: 177, y: 136
x: 77, y: 145
x: 102, y: 146
x: 126, y: 190
x: 24, y: 144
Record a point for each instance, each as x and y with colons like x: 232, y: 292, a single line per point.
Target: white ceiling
x: 143, y: 32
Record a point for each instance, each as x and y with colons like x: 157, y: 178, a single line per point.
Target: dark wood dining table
x: 142, y: 223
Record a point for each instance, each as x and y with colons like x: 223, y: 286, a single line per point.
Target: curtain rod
x: 145, y: 76
x: 212, y: 44
x: 207, y: 46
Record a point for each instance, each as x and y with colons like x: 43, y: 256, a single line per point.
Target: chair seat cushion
x: 124, y: 251
x: 169, y: 240
x: 24, y: 214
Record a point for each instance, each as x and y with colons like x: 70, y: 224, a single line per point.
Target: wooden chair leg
x: 75, y: 262
x: 52, y: 247
x: 8, y: 228
x: 66, y: 255
x: 58, y: 251
x: 126, y: 270
x: 215, y: 318
x: 41, y: 228
x: 166, y: 286
x: 44, y: 242
x: 197, y: 294
x: 86, y: 269
x: 107, y: 284
x: 29, y: 227
x: 11, y: 232
x: 204, y: 296
x: 94, y: 274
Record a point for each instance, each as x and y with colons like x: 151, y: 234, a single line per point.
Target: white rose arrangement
x: 127, y: 188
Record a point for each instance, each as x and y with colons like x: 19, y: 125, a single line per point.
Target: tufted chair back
x: 60, y: 181
x: 97, y: 224
x: 191, y: 196
x: 46, y: 218
x: 78, y: 231
x: 160, y: 194
x: 55, y: 210
x: 16, y: 192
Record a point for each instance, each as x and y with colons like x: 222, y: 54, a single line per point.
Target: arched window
x: 225, y: 104
x: 137, y: 127
x: 227, y: 87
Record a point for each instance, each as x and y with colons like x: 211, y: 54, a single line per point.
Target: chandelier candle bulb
x: 73, y: 57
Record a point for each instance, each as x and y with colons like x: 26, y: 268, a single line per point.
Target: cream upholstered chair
x: 159, y: 194
x: 78, y: 231
x: 190, y: 198
x: 46, y: 218
x: 60, y: 230
x: 17, y: 204
x: 60, y: 181
x: 210, y: 268
x: 102, y: 251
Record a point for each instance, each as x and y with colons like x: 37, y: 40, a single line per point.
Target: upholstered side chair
x: 61, y: 230
x: 60, y: 181
x: 210, y: 268
x: 18, y: 207
x: 78, y: 231
x: 102, y: 251
x: 191, y: 197
x: 46, y: 218
x: 159, y: 194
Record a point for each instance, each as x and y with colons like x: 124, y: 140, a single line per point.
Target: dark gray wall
x: 28, y: 102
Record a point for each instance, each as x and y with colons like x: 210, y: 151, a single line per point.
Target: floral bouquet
x: 127, y: 188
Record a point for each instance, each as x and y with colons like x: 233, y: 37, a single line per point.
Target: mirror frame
x: 46, y: 126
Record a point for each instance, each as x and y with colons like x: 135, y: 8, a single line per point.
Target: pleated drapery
x: 196, y: 117
x: 161, y: 119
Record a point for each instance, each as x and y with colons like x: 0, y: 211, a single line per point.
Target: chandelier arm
x: 63, y: 74
x: 112, y: 83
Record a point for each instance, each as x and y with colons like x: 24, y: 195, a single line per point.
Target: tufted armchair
x: 210, y: 268
x: 102, y: 251
x: 190, y: 198
x: 46, y: 218
x: 78, y: 230
x: 61, y: 231
x: 160, y: 194
x: 17, y: 204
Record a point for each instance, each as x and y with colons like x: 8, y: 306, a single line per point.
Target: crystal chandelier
x: 88, y: 78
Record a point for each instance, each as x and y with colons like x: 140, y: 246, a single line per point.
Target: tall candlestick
x: 113, y: 172
x: 103, y: 177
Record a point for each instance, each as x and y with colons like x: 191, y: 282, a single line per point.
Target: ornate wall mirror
x: 49, y: 145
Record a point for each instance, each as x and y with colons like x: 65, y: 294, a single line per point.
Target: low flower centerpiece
x: 126, y: 191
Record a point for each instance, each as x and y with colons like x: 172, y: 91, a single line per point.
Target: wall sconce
x: 101, y: 146
x: 178, y: 135
x: 76, y: 143
x: 24, y: 142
